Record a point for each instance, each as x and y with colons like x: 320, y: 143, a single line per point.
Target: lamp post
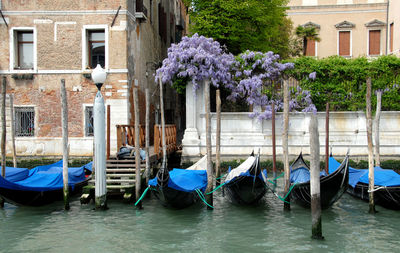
x: 99, y: 76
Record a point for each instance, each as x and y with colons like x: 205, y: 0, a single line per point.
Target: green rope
x: 203, y: 198
x: 272, y: 182
x: 279, y: 176
x: 215, y: 189
x: 221, y: 177
x: 141, y: 197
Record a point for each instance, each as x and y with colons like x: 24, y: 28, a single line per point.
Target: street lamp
x: 99, y: 76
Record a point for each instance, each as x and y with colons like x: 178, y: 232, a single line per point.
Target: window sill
x: 27, y: 76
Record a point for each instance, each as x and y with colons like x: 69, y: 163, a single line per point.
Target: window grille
x: 24, y: 121
x: 89, y: 121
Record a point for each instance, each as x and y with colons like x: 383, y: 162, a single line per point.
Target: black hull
x: 172, y: 198
x: 388, y: 197
x: 38, y: 198
x: 332, y: 188
x: 245, y: 191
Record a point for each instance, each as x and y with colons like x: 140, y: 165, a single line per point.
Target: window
x: 374, y: 42
x: 391, y: 38
x: 89, y: 121
x: 311, y: 48
x: 24, y: 121
x: 344, y: 43
x: 96, y: 49
x: 22, y: 48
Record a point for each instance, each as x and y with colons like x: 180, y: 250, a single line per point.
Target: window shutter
x: 374, y: 42
x: 344, y: 43
x: 310, y: 50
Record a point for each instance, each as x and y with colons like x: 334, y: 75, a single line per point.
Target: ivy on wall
x: 342, y: 82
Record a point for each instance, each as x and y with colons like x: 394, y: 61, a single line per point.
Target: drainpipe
x: 387, y: 27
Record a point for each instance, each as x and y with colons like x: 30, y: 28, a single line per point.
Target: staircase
x: 120, y: 180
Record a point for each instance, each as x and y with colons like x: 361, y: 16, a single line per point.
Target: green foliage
x: 341, y: 82
x: 256, y: 25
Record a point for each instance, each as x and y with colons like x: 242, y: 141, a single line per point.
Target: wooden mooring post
x: 64, y: 123
x: 315, y: 190
x: 285, y: 144
x: 376, y: 128
x: 370, y: 149
x: 327, y: 139
x: 3, y: 132
x: 210, y: 173
x: 137, y: 147
x: 218, y: 140
x: 273, y: 143
x: 147, y: 136
x: 14, y: 151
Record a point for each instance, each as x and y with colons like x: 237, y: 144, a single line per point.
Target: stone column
x: 191, y: 139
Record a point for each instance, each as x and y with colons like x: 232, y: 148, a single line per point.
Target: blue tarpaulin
x: 46, y: 178
x: 16, y: 174
x: 302, y: 175
x: 382, y: 177
x: 185, y: 180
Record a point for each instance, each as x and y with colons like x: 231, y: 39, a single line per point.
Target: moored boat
x: 386, y: 182
x: 180, y: 188
x: 41, y: 185
x: 246, y: 184
x: 332, y: 186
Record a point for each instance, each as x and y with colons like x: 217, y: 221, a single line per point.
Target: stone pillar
x: 191, y: 139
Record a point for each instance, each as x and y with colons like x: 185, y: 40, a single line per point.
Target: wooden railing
x: 126, y: 136
x: 170, y: 139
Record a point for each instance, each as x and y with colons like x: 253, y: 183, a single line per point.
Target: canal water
x: 347, y: 227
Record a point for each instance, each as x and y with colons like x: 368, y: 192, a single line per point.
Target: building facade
x: 349, y: 28
x: 43, y: 42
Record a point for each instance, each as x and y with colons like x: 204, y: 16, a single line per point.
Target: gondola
x: 246, y: 184
x: 332, y: 186
x: 180, y: 188
x: 41, y: 185
x: 387, y: 186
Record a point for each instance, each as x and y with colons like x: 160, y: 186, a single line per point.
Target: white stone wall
x: 240, y: 134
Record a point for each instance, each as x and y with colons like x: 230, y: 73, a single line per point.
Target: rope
x: 141, y: 197
x: 203, y: 198
x: 279, y: 197
x: 376, y: 189
x: 221, y: 176
x: 216, y: 188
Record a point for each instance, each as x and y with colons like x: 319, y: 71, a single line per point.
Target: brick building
x: 44, y: 41
x: 350, y: 28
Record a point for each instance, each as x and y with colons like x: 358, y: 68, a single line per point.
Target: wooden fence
x: 126, y: 135
x: 170, y: 139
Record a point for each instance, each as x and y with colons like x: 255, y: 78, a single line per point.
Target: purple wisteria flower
x: 312, y: 75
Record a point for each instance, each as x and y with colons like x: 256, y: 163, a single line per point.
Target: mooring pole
x: 64, y: 114
x: 13, y: 130
x: 164, y: 146
x: 327, y: 139
x: 218, y: 140
x: 376, y: 123
x: 370, y: 149
x: 3, y: 132
x: 147, y: 135
x: 315, y: 179
x: 210, y: 173
x: 138, y: 186
x: 108, y: 131
x: 3, y: 127
x: 285, y: 143
x: 273, y: 143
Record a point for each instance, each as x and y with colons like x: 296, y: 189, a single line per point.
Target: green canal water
x: 347, y: 227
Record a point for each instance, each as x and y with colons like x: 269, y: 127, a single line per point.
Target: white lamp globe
x: 99, y: 75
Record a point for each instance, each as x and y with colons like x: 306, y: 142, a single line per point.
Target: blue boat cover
x: 185, y: 180
x: 382, y: 177
x: 16, y: 174
x: 302, y: 175
x: 46, y: 178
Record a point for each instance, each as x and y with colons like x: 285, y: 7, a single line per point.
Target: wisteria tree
x: 199, y: 60
x: 251, y: 75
